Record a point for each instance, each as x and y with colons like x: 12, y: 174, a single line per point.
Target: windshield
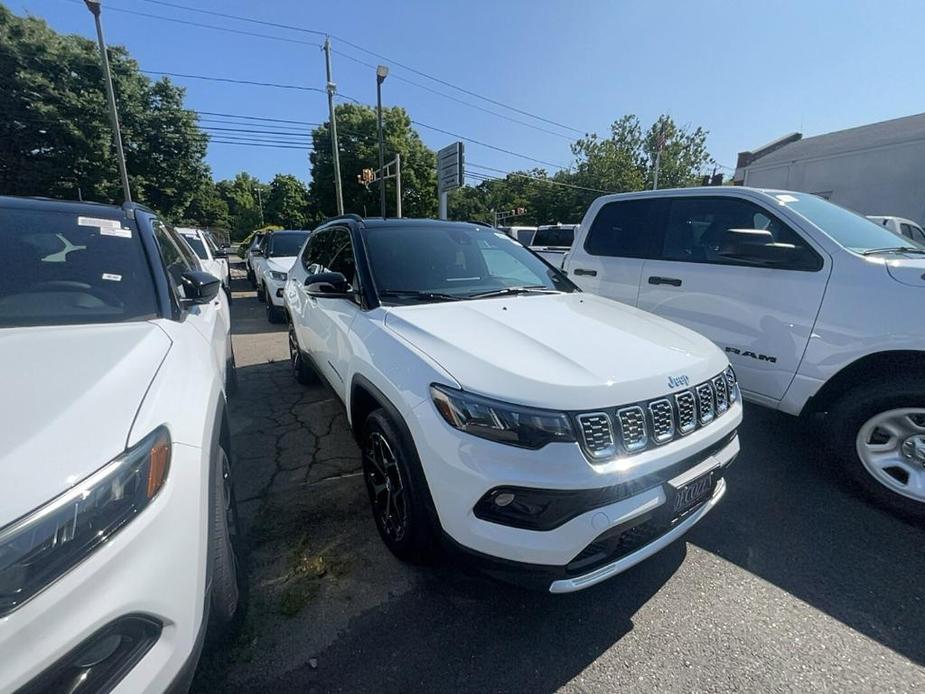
x: 61, y: 269
x: 851, y: 230
x: 286, y: 245
x: 554, y: 236
x: 196, y: 244
x: 453, y: 261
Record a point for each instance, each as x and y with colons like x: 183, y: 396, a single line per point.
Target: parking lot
x: 791, y: 584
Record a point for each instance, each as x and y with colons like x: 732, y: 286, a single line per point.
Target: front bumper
x: 147, y: 569
x: 274, y: 291
x: 462, y: 469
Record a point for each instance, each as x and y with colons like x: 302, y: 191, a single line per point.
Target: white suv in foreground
x: 819, y: 309
x: 554, y: 436
x: 117, y: 516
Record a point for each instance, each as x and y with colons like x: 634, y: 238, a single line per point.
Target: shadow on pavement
x: 464, y: 633
x: 248, y: 314
x: 789, y: 520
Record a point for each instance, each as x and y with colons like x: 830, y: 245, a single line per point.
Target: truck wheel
x: 229, y: 583
x: 878, y: 434
x: 303, y: 373
x: 398, y: 492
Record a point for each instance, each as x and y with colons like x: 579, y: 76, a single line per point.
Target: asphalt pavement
x: 792, y: 584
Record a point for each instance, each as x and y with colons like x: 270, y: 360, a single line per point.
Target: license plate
x: 692, y: 493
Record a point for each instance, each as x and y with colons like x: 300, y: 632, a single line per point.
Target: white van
x: 818, y: 308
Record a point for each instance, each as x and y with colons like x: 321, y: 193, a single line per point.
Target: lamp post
x: 382, y: 72
x: 95, y: 8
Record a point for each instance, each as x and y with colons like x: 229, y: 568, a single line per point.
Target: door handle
x: 673, y: 281
x: 582, y: 271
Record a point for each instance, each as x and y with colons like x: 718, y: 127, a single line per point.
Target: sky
x: 747, y: 72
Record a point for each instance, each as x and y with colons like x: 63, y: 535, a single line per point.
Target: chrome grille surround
x: 662, y: 420
x: 705, y: 403
x: 633, y: 428
x: 722, y: 393
x: 597, y: 434
x: 630, y: 429
x: 687, y: 411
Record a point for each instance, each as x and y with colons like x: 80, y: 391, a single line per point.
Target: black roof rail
x: 348, y: 215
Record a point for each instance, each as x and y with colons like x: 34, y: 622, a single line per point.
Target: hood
x: 561, y: 351
x: 69, y: 397
x: 908, y: 269
x: 281, y: 264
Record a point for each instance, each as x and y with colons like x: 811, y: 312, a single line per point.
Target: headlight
x: 40, y: 547
x: 732, y: 383
x: 526, y: 427
x: 278, y: 276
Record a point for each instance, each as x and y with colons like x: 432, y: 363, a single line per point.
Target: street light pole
x: 398, y: 185
x: 381, y: 73
x: 95, y: 8
x: 335, y: 154
x: 260, y: 205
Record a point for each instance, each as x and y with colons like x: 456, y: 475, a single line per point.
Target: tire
x: 228, y: 294
x: 228, y: 599
x: 302, y: 371
x: 251, y: 277
x: 876, y: 425
x: 274, y: 313
x: 261, y: 293
x: 398, y: 493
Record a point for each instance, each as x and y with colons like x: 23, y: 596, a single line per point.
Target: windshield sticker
x: 111, y: 277
x: 98, y: 222
x: 116, y: 231
x: 786, y: 198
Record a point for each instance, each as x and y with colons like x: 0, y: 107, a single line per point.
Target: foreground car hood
x: 69, y: 398
x: 908, y: 269
x: 564, y: 351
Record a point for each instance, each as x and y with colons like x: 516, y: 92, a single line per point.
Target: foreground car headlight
x: 40, y: 547
x: 526, y: 427
x: 278, y: 276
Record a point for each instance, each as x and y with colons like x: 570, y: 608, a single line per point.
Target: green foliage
x: 286, y: 203
x: 359, y: 149
x: 55, y: 130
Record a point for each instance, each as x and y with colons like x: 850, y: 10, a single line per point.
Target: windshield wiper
x: 530, y: 289
x: 415, y: 294
x: 895, y: 249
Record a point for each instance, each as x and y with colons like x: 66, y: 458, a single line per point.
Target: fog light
x: 503, y: 499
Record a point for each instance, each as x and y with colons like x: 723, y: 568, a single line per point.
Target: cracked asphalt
x: 792, y: 584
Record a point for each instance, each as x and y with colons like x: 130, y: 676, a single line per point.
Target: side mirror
x: 328, y: 285
x: 199, y: 287
x: 220, y: 252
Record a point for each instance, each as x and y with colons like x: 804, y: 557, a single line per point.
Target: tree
x: 207, y: 208
x: 286, y: 203
x: 55, y: 137
x: 240, y: 194
x: 359, y: 149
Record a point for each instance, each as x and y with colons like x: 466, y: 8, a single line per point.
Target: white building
x: 876, y: 169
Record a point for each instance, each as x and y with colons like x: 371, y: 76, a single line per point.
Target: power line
x: 202, y: 25
x: 485, y: 144
x: 255, y: 144
x: 275, y: 85
x: 358, y: 47
x: 486, y: 177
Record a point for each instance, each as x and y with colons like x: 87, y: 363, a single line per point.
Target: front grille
x: 662, y: 420
x: 722, y: 394
x: 633, y: 428
x: 687, y: 411
x: 705, y: 408
x: 636, y: 427
x: 597, y: 433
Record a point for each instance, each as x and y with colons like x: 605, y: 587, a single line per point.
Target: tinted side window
x: 174, y: 259
x: 555, y: 236
x: 342, y: 259
x: 623, y: 229
x: 918, y: 235
x: 730, y: 231
x: 314, y: 249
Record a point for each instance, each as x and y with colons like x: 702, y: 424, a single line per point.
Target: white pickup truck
x: 552, y: 241
x: 818, y: 308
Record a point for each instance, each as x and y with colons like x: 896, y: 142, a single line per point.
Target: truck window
x: 624, y: 229
x: 556, y: 237
x: 731, y: 231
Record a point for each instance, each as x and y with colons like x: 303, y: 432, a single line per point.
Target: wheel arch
x: 870, y: 367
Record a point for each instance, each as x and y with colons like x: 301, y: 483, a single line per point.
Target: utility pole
x: 398, y: 185
x: 335, y: 154
x: 381, y: 73
x: 660, y: 145
x: 260, y: 205
x: 95, y: 9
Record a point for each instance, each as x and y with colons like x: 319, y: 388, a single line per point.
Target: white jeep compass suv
x: 553, y: 435
x: 117, y: 515
x: 818, y: 308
